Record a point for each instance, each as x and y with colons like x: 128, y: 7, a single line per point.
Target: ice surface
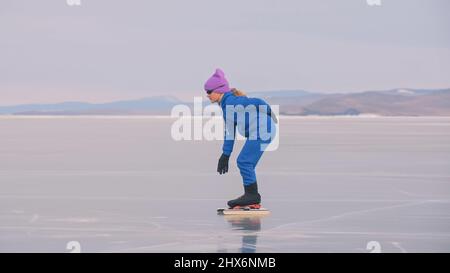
x: 123, y: 185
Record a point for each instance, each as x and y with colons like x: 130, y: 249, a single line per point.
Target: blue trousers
x: 248, y: 158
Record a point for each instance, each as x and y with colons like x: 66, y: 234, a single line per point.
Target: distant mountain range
x: 160, y: 105
x: 395, y: 102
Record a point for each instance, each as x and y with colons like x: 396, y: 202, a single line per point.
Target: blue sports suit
x: 256, y: 128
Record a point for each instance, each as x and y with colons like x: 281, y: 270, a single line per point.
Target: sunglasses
x: 212, y: 90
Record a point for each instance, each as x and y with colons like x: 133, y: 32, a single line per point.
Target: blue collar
x: 224, y: 97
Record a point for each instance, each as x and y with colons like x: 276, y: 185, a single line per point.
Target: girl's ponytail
x: 238, y: 93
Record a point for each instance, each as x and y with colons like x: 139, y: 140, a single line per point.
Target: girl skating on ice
x: 253, y: 118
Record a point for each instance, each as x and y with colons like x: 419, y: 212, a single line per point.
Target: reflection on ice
x: 249, y: 225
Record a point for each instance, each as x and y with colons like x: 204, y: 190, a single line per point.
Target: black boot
x: 250, y: 197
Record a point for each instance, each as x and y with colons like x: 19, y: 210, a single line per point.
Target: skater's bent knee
x: 243, y: 164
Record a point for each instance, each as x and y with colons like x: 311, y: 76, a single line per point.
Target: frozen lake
x: 123, y: 185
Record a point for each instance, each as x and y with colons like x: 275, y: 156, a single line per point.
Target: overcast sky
x: 106, y: 50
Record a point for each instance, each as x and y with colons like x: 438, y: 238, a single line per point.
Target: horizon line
x: 249, y: 92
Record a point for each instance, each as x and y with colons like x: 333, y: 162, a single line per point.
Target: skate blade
x: 243, y: 211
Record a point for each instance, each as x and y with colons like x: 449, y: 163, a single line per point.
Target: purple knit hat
x: 217, y: 82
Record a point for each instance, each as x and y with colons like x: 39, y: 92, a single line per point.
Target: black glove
x: 222, y: 167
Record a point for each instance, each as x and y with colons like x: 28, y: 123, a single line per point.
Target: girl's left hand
x: 222, y: 167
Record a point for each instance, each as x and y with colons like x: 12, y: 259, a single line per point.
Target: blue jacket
x: 250, y: 125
